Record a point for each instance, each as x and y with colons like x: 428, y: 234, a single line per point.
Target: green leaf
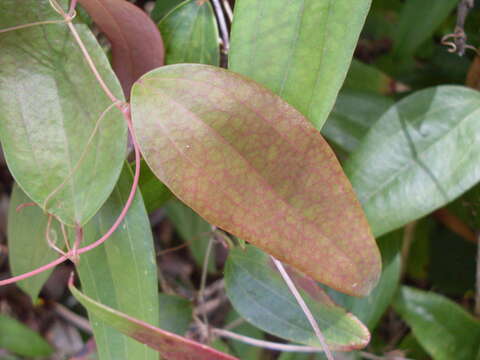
x: 370, y: 309
x: 27, y: 243
x: 62, y: 155
x: 155, y: 193
x: 353, y: 115
x: 163, y: 7
x: 412, y: 348
x: 252, y: 165
x: 170, y: 346
x: 121, y: 273
x: 301, y: 50
x: 363, y: 77
x: 260, y: 295
x: 195, y: 231
x: 190, y: 34
x: 19, y: 339
x: 175, y: 313
x: 418, y: 21
x: 443, y: 328
x: 420, y: 155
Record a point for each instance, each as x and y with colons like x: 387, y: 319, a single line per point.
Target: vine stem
x: 304, y: 307
x: 125, y: 110
x: 265, y: 344
x: 223, y: 25
x: 477, y: 290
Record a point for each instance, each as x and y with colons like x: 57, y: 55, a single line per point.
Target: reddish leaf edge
x: 147, y: 329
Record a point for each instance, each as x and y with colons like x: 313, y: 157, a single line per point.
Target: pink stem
x: 121, y: 217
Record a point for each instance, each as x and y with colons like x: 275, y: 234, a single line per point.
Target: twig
x: 266, y: 344
x: 228, y: 10
x: 77, y: 320
x: 459, y: 44
x: 203, y: 280
x: 303, y: 305
x: 477, y: 292
x: 222, y: 24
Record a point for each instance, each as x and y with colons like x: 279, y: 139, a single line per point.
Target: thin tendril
x: 117, y: 223
x: 125, y: 109
x: 82, y: 157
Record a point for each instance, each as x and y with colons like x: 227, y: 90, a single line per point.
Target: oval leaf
x: 59, y: 149
x: 137, y: 46
x: 371, y: 308
x: 170, y: 346
x: 301, y: 50
x: 456, y: 334
x: 419, y: 156
x: 252, y: 165
x: 191, y: 34
x: 28, y: 248
x: 19, y: 339
x: 122, y: 273
x: 260, y: 295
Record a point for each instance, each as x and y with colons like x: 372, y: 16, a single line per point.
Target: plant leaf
x: 121, y: 273
x: 170, y: 346
x: 28, y: 248
x: 190, y: 33
x: 60, y: 153
x: 256, y: 169
x: 301, y: 50
x: 353, y: 115
x: 419, y: 156
x: 195, y: 231
x: 155, y: 193
x: 137, y: 46
x: 19, y: 339
x: 456, y: 334
x: 163, y: 7
x: 370, y: 309
x: 427, y: 15
x: 363, y: 77
x: 261, y: 296
x: 175, y: 313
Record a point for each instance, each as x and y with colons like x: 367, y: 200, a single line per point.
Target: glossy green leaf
x: 195, y: 231
x: 27, y: 243
x: 370, y: 309
x: 61, y: 154
x: 175, y: 313
x: 190, y: 34
x: 252, y: 165
x: 260, y: 295
x: 301, y: 50
x: 353, y: 115
x: 442, y: 327
x: 170, y: 346
x: 420, y: 155
x: 163, y: 7
x: 19, y: 339
x: 426, y: 15
x: 122, y: 273
x: 155, y: 193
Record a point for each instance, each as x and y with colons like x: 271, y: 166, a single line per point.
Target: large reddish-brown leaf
x: 137, y: 46
x: 169, y: 345
x: 251, y: 164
